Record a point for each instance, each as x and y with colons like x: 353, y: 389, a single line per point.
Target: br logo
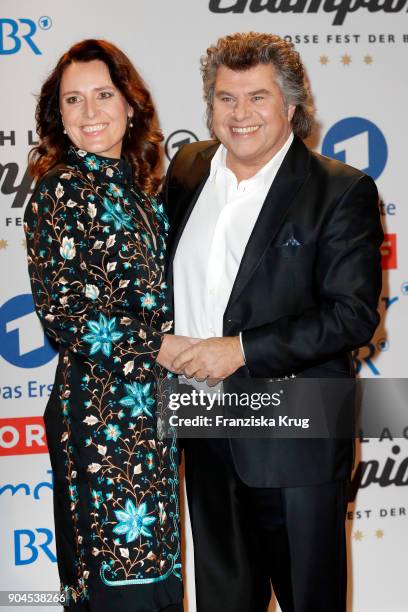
x: 14, y: 31
x: 359, y: 143
x: 22, y: 339
x: 27, y: 544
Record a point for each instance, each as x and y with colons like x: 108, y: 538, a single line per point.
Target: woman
x: 96, y: 245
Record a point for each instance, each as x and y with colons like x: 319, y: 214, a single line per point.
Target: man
x: 275, y: 263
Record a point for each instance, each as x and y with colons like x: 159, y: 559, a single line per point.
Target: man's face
x: 250, y: 117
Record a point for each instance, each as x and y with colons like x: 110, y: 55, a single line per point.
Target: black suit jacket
x: 301, y: 309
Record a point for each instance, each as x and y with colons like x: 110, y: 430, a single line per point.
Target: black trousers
x: 246, y: 539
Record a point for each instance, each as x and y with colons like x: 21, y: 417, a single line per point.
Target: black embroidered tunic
x: 96, y: 247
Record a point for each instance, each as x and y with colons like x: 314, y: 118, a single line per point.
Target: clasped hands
x: 212, y: 359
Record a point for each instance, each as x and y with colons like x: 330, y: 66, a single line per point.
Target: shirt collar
x: 108, y: 168
x: 266, y: 173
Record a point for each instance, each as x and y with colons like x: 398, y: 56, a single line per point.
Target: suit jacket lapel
x: 289, y: 179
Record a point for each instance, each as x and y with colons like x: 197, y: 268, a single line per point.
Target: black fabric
x: 87, y: 608
x: 247, y: 537
x: 114, y: 484
x: 305, y: 296
x: 301, y: 308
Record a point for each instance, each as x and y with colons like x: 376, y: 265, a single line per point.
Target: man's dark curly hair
x: 242, y: 51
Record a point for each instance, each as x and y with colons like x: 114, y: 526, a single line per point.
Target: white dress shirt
x: 213, y: 242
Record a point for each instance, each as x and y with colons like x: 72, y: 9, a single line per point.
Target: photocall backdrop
x: 355, y: 52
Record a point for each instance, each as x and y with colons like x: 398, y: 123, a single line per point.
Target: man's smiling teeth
x: 245, y: 130
x: 94, y: 128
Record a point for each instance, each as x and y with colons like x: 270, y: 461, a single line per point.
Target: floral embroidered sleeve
x: 96, y: 283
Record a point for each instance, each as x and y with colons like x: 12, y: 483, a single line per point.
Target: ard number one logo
x: 22, y: 340
x: 358, y: 142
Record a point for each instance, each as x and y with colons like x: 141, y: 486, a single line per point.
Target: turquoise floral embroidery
x: 148, y: 301
x: 159, y: 210
x: 115, y: 214
x: 102, y: 336
x: 146, y: 240
x: 97, y: 498
x: 112, y: 432
x: 138, y: 398
x: 133, y: 521
x: 116, y: 191
x: 149, y: 461
x: 107, y: 370
x: 91, y: 162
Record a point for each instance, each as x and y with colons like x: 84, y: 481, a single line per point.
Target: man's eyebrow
x: 222, y: 92
x: 258, y: 92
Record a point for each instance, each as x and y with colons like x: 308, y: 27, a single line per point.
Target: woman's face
x: 94, y: 112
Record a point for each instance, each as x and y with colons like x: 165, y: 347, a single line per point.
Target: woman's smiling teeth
x: 245, y: 130
x: 94, y: 128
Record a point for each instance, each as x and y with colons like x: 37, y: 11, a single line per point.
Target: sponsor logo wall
x: 352, y: 51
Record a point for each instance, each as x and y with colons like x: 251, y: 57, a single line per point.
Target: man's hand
x: 214, y: 358
x: 171, y: 347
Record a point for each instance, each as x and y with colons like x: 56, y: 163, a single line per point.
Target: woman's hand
x: 171, y: 347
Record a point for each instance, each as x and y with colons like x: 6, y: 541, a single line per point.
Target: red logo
x: 22, y: 436
x: 389, y: 252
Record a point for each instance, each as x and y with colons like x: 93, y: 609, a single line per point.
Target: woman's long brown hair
x: 141, y: 144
